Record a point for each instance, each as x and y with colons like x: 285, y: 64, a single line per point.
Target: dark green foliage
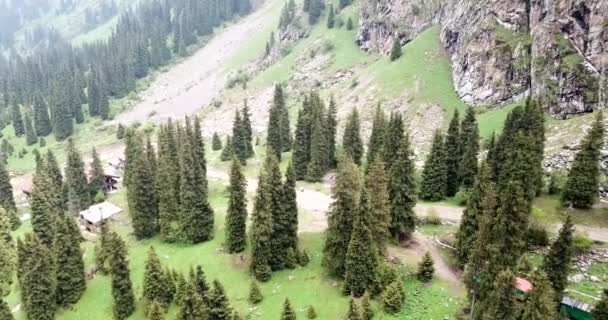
x: 103, y: 249
x: 247, y: 129
x: 192, y: 307
x: 291, y: 260
x: 344, y: 3
x: 167, y: 184
x: 426, y: 268
x: 351, y: 142
x: 96, y: 176
x: 392, y: 298
x: 393, y: 139
x: 331, y: 131
x: 197, y: 216
x: 120, y: 132
x: 71, y: 282
x: 434, y: 176
x: 315, y: 10
x: 141, y: 192
x: 79, y: 196
x: 153, y: 284
x: 7, y: 200
x: 262, y: 223
x: 453, y: 150
x: 42, y: 122
x: 341, y: 216
x: 290, y: 209
x: 236, y: 216
x: 122, y: 289
x: 402, y: 192
x: 331, y: 17
x: 288, y: 312
x: 469, y: 137
x: 279, y: 138
x: 5, y: 311
x: 17, y: 120
x: 239, y: 139
x: 376, y: 139
x: 600, y: 312
x: 180, y: 288
x: 282, y: 228
x: 303, y: 258
x: 366, y: 307
x: 349, y: 24
x: 219, y: 306
x: 255, y: 295
x: 200, y: 282
x: 558, y: 261
x: 156, y: 312
x: 46, y: 209
x: 540, y: 303
x: 303, y: 136
x: 500, y: 304
x: 8, y: 261
x: 362, y: 256
x: 216, y: 142
x: 469, y: 224
x: 228, y: 151
x: 581, y: 188
x: 396, y: 49
x: 377, y: 183
x: 318, y: 147
x: 354, y: 312
x: 30, y: 134
x: 311, y: 313
x: 37, y: 274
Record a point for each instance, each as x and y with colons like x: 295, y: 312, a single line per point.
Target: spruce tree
x: 153, y: 288
x: 290, y: 209
x: 453, y: 148
x: 376, y: 139
x: 200, y: 282
x: 228, y: 151
x: 392, y: 140
x: 180, y: 288
x: 7, y: 199
x: 341, y: 216
x: 141, y: 193
x: 288, y: 312
x: 239, y: 139
x: 42, y: 122
x: 236, y: 216
x: 247, y: 129
x: 167, y: 185
x: 366, y: 307
x: 275, y: 140
x: 469, y: 224
x: 331, y: 131
x: 311, y: 313
x: 97, y: 175
x: 354, y: 312
x: 17, y: 120
x: 402, y: 192
x: 301, y: 145
x: 349, y: 24
x: 581, y: 187
x: 38, y: 281
x: 156, y: 312
x: 281, y: 222
x: 377, y: 183
x: 122, y: 289
x: 470, y: 149
x: 192, y: 307
x: 434, y: 176
x: 71, y: 281
x: 5, y: 311
x: 103, y: 249
x: 392, y: 298
x: 255, y: 295
x: 351, y: 142
x: 331, y: 17
x: 318, y: 149
x: 8, y: 254
x: 426, y: 268
x: 362, y: 256
x: 46, y: 209
x: 54, y: 173
x: 79, y: 197
x: 262, y: 224
x: 396, y: 49
x: 216, y: 142
x: 558, y: 261
x: 30, y: 133
x: 600, y: 312
x: 501, y: 302
x: 540, y: 303
x: 219, y: 306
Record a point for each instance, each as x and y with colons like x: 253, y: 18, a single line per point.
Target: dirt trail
x: 197, y: 80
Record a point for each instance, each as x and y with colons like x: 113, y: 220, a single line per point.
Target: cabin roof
x: 523, y: 285
x: 101, y: 211
x: 576, y: 304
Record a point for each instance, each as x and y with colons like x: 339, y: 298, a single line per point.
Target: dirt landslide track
x: 197, y: 80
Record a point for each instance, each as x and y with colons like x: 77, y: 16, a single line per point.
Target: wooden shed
x: 91, y: 218
x: 576, y: 310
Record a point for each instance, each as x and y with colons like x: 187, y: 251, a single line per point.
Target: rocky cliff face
x: 504, y: 50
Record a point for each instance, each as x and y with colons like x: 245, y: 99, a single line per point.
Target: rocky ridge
x: 502, y: 51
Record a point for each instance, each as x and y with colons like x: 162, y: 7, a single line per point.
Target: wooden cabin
x: 27, y: 186
x: 91, y: 218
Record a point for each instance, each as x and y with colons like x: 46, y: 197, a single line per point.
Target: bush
x: 461, y: 197
x: 426, y: 268
x: 432, y: 218
x: 255, y: 295
x: 392, y: 298
x: 536, y: 235
x: 120, y: 132
x: 388, y: 275
x: 582, y: 243
x: 100, y: 197
x: 42, y: 143
x: 291, y: 261
x: 311, y: 313
x: 303, y: 258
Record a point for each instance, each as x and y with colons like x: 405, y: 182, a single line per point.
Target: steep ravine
x: 504, y: 50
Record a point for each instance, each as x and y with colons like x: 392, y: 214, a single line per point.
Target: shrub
x: 388, y: 275
x: 120, y: 132
x: 311, y: 313
x: 582, y: 243
x: 461, y: 197
x: 42, y: 143
x: 255, y: 295
x: 536, y: 235
x: 349, y: 24
x: 303, y: 258
x: 100, y: 197
x: 291, y: 261
x: 426, y: 268
x: 392, y: 298
x: 432, y: 217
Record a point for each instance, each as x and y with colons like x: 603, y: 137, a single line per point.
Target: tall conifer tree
x: 540, y: 303
x: 141, y: 192
x: 470, y: 149
x: 79, y: 197
x: 261, y: 227
x: 402, y: 192
x: 331, y: 131
x: 434, y: 176
x: 38, y: 281
x: 290, y: 207
x: 42, y: 121
x: 71, y: 281
x: 236, y: 216
x: 301, y: 147
x: 96, y: 176
x: 377, y: 183
x: 7, y: 199
x: 392, y: 139
x: 375, y: 146
x: 501, y: 302
x: 557, y: 263
x: 351, y: 142
x: 453, y: 147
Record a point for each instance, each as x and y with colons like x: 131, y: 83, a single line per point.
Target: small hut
x: 522, y: 287
x: 91, y: 219
x: 27, y: 186
x: 576, y: 309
